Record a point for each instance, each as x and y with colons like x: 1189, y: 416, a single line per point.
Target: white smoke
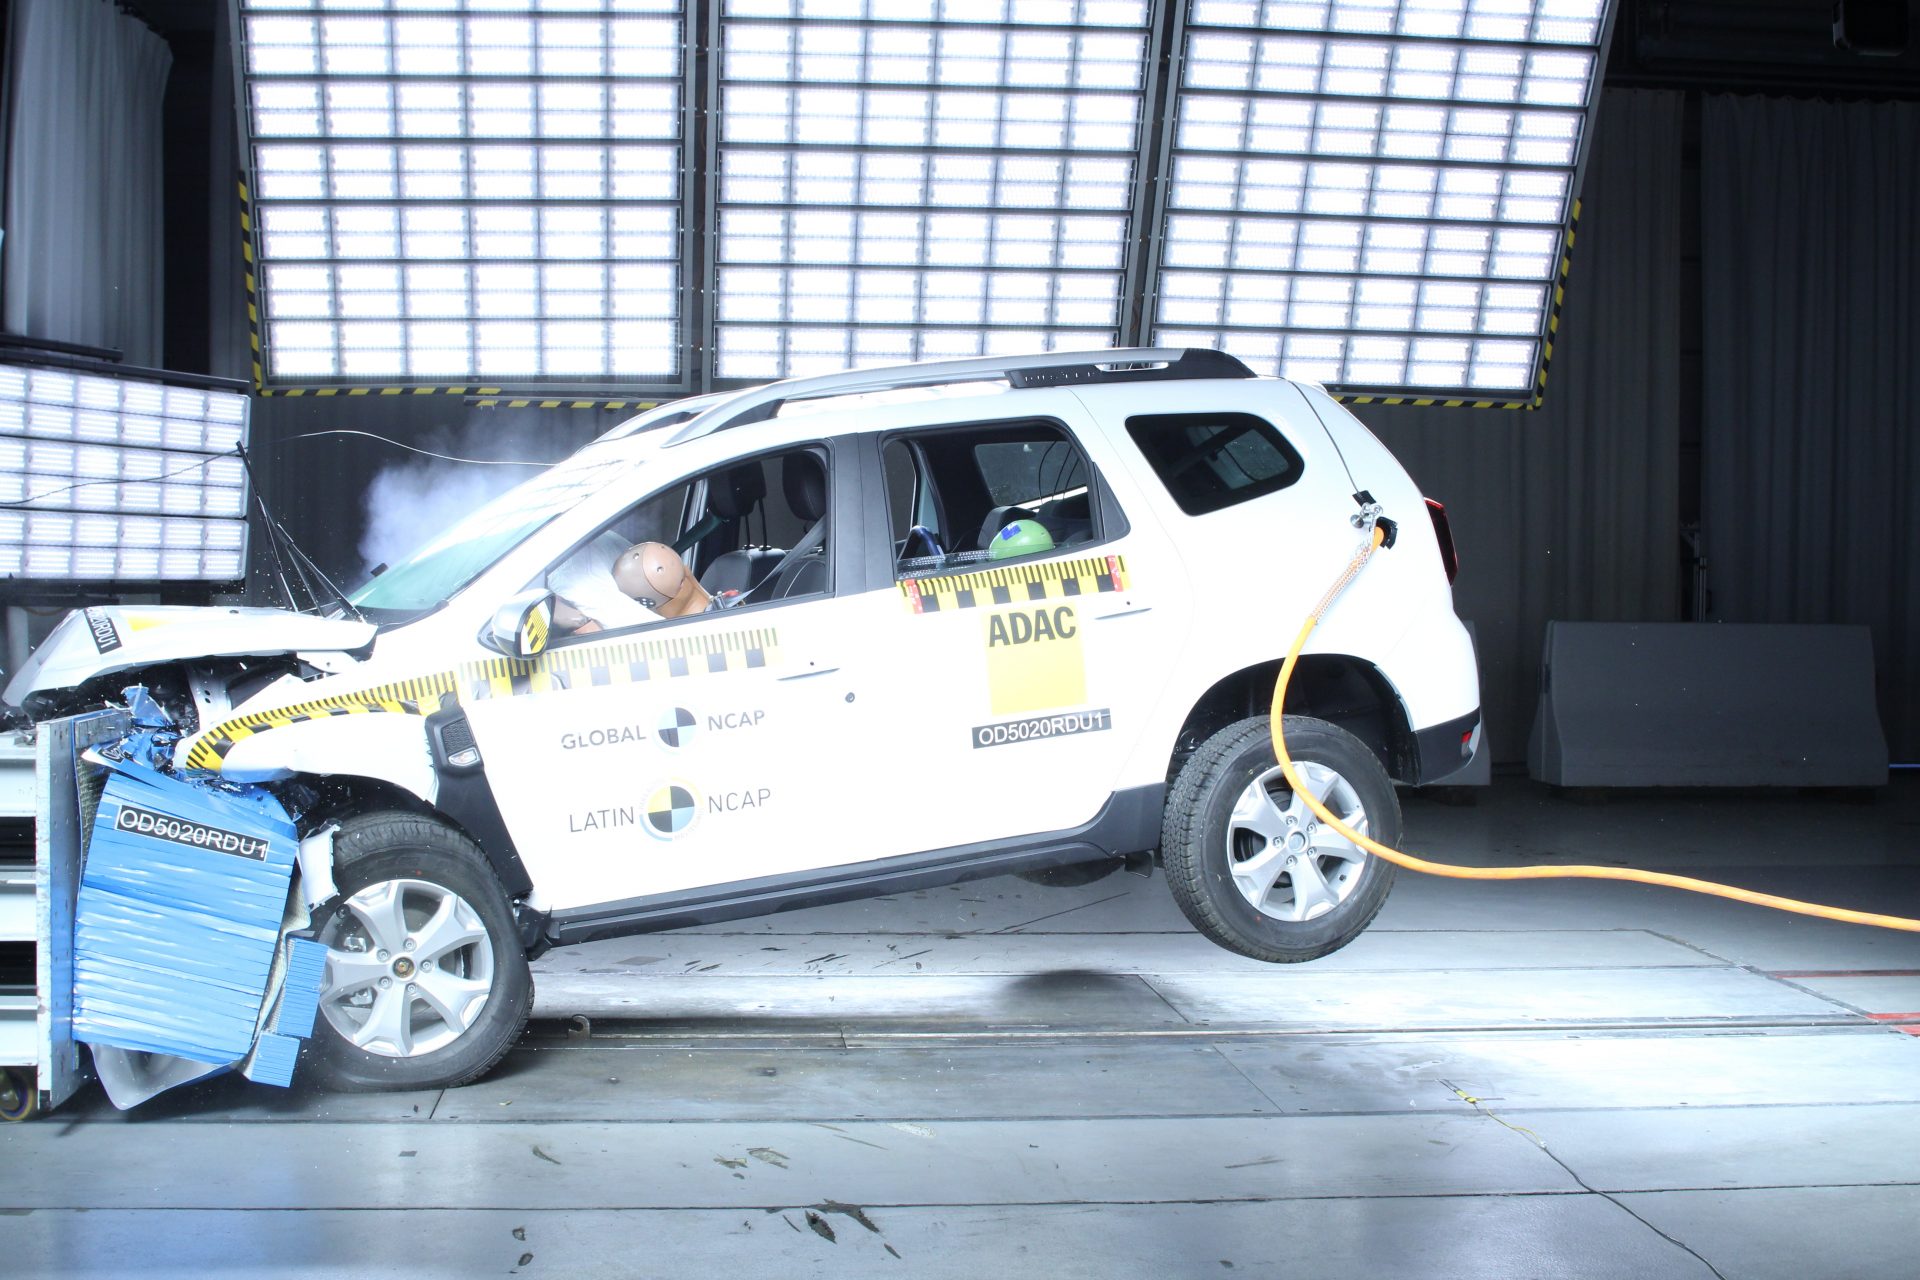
x: 408, y: 503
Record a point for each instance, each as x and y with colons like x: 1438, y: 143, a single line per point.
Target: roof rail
x: 1053, y: 369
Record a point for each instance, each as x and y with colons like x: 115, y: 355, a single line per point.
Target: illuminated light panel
x: 927, y: 180
x: 510, y: 169
x: 1374, y: 194
x: 106, y: 479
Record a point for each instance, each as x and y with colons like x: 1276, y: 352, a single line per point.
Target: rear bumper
x: 1445, y: 749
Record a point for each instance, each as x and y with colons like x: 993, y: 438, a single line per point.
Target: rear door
x: 1032, y: 675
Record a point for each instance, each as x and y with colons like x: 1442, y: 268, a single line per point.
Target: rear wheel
x: 1253, y: 867
x: 427, y: 984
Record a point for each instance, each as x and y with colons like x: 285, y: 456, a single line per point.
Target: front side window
x: 751, y: 532
x: 972, y: 495
x: 1210, y: 461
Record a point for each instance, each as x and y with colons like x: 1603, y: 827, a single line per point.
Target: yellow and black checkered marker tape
x: 406, y: 697
x: 535, y: 627
x: 634, y: 662
x: 575, y: 667
x: 1048, y: 580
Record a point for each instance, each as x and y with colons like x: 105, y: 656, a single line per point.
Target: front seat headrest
x: 735, y: 492
x: 804, y: 481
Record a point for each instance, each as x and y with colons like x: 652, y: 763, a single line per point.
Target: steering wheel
x: 920, y: 544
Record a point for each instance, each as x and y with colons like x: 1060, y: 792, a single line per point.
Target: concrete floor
x: 1530, y: 1080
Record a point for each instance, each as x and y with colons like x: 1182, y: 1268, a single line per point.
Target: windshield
x: 428, y: 578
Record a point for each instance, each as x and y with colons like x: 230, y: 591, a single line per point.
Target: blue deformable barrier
x: 300, y: 998
x: 179, y: 918
x: 273, y: 1059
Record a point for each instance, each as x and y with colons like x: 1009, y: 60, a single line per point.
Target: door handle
x: 810, y: 674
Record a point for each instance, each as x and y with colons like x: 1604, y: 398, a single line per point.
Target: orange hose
x: 1451, y: 871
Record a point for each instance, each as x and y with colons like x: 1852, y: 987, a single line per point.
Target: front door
x: 702, y: 750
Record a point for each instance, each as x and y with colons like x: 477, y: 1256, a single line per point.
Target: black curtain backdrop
x: 83, y: 249
x: 1811, y: 369
x: 1571, y: 511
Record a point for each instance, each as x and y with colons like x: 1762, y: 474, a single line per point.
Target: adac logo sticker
x: 1034, y: 659
x: 672, y: 809
x: 676, y: 728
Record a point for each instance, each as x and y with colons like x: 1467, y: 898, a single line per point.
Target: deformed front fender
x: 389, y: 746
x: 392, y: 748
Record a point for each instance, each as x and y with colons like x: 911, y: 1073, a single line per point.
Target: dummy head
x: 1021, y: 538
x: 653, y: 574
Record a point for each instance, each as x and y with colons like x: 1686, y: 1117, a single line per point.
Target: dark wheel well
x: 339, y: 797
x: 342, y: 796
x: 1337, y: 688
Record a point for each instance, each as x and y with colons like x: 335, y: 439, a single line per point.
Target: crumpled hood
x: 92, y: 642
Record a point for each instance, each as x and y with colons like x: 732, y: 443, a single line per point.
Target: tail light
x: 1443, y: 534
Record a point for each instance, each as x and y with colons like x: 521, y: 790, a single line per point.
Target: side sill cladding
x: 1128, y: 823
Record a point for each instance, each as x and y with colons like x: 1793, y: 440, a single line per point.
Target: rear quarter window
x: 1210, y: 461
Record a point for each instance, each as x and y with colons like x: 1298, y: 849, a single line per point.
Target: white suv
x: 941, y: 621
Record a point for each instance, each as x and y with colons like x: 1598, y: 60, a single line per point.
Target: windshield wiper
x: 304, y: 567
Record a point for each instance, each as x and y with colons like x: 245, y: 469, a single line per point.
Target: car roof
x: 1016, y: 373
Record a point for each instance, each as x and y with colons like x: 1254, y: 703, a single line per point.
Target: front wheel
x: 427, y: 984
x: 1251, y: 865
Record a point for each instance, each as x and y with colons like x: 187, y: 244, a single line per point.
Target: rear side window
x: 1210, y: 461
x: 950, y: 490
x: 1026, y: 471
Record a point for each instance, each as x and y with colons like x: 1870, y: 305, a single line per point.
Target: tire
x: 19, y: 1094
x: 1231, y: 810
x: 1072, y: 875
x: 418, y: 909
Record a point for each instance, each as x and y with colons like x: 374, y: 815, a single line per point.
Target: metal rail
x: 1056, y: 368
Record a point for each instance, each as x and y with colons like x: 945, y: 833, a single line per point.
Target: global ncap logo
x: 672, y: 809
x: 676, y: 728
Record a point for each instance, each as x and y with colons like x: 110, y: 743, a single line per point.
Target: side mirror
x: 521, y: 626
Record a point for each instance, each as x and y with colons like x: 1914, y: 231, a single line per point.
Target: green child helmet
x: 1021, y: 538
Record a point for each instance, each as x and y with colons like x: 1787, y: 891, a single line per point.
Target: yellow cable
x: 1425, y: 867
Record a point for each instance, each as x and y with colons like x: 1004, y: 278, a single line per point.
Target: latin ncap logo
x: 736, y: 801
x: 672, y: 809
